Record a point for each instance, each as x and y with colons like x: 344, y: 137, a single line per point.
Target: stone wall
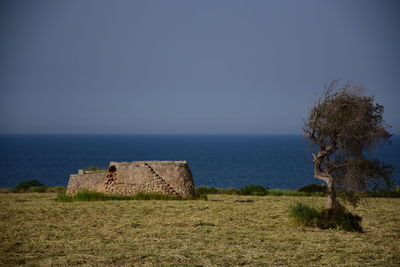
x: 128, y: 178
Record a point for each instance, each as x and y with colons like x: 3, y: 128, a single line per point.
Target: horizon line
x: 171, y: 134
x: 150, y: 134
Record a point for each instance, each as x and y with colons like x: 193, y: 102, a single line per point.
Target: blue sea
x: 276, y: 161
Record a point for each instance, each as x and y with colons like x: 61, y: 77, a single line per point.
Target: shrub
x: 62, y: 196
x: 340, y: 218
x: 304, y: 215
x: 254, y: 190
x: 313, y: 188
x: 204, y: 190
x: 328, y: 218
x: 26, y: 185
x: 36, y: 187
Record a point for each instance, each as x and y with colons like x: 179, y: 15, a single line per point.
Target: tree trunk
x: 331, y: 202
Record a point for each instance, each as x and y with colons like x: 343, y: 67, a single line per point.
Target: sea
x: 275, y: 161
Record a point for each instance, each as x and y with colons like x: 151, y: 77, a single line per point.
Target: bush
x: 304, y: 215
x: 204, y: 190
x: 254, y: 190
x: 26, y: 185
x: 340, y: 218
x: 328, y: 218
x: 62, y: 196
x: 313, y: 188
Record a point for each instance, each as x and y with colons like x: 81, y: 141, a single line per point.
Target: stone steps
x: 164, y: 185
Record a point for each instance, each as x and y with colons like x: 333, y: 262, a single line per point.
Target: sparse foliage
x: 345, y: 127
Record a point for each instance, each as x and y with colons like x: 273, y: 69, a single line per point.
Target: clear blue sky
x: 189, y: 67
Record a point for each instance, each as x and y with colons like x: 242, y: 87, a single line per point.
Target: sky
x: 189, y: 67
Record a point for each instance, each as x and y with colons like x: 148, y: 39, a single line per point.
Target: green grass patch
x: 305, y: 215
x: 86, y: 195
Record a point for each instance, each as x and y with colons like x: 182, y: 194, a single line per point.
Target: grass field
x: 225, y: 230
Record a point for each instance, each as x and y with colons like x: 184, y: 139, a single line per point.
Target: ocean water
x: 276, y: 161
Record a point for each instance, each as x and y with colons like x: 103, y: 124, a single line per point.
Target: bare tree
x: 345, y: 127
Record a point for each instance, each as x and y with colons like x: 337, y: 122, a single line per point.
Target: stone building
x: 128, y: 178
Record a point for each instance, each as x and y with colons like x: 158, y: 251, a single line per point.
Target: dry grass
x: 37, y: 230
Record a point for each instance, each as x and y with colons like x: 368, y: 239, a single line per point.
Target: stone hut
x: 129, y: 178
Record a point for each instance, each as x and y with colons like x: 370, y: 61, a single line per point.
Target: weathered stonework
x: 129, y: 178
